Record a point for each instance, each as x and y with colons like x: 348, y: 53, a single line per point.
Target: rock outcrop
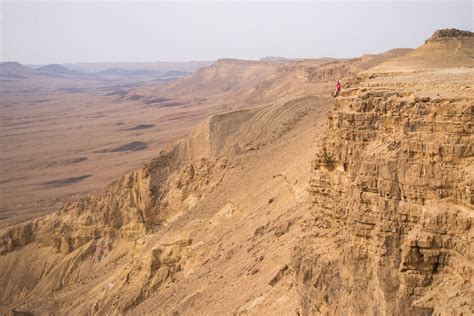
x: 393, y: 193
x: 449, y: 33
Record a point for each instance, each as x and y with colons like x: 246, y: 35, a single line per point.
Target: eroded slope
x: 165, y: 225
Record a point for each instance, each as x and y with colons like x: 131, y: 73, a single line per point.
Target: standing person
x: 338, y: 88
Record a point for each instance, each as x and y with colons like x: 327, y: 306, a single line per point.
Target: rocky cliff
x: 392, y: 188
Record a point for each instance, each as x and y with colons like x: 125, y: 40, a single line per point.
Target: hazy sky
x: 40, y: 32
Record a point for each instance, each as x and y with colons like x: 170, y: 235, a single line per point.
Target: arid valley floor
x: 67, y: 134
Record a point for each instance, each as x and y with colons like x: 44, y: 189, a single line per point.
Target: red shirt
x: 338, y: 86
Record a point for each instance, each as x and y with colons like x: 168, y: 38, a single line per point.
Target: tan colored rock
x: 403, y: 210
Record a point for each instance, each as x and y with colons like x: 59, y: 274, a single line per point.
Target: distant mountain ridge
x: 190, y: 66
x: 56, y: 69
x: 15, y: 70
x: 128, y: 72
x: 175, y: 73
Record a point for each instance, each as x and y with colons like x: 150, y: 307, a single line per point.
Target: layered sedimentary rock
x: 393, y: 196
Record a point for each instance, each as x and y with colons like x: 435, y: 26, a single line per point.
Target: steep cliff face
x: 392, y: 191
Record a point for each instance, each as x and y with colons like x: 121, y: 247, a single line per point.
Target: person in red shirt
x: 338, y: 88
